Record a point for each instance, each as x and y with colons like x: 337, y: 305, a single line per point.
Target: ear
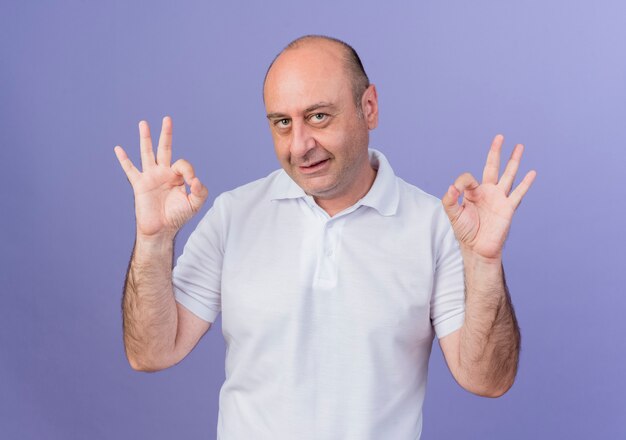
x: 369, y: 104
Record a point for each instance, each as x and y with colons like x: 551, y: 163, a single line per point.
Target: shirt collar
x: 284, y: 187
x: 383, y: 196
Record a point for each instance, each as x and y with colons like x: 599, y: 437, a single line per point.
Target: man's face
x: 319, y: 137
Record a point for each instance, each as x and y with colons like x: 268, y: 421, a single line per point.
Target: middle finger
x: 164, y: 150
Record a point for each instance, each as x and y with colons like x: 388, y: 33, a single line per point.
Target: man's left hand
x: 482, y: 221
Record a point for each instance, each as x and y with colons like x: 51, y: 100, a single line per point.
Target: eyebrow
x: 309, y: 109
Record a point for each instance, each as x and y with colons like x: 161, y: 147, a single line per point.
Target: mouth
x: 314, y: 167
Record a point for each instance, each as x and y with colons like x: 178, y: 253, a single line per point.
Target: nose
x: 302, y: 140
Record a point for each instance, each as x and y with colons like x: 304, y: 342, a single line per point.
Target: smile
x: 315, y: 167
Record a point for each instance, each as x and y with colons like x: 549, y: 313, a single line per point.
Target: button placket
x: 330, y: 238
x: 330, y: 228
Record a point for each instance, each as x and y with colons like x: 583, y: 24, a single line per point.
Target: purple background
x: 77, y: 76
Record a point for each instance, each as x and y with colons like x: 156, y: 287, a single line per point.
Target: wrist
x: 154, y: 244
x: 482, y: 275
x: 473, y: 258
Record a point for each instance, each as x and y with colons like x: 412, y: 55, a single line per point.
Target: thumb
x: 198, y: 194
x: 450, y: 203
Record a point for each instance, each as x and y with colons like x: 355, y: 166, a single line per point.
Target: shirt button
x: 329, y: 252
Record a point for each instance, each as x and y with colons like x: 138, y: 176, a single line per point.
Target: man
x: 332, y: 275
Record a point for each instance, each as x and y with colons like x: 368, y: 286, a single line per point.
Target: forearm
x: 489, y: 339
x: 149, y: 309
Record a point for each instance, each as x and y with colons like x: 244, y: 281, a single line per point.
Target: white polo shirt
x: 328, y: 322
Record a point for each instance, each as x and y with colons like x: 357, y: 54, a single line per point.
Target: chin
x: 324, y: 193
x: 322, y: 189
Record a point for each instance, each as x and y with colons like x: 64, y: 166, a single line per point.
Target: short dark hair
x: 358, y: 77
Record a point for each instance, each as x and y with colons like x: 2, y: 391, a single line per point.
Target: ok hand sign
x: 162, y: 204
x: 482, y: 221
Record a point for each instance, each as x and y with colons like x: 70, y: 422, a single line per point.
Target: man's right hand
x: 158, y: 332
x: 162, y: 204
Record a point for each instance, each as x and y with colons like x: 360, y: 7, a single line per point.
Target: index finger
x: 164, y: 150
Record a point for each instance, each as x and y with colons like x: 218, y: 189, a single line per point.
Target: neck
x: 361, y: 187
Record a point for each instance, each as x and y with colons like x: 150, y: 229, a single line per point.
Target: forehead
x: 306, y: 75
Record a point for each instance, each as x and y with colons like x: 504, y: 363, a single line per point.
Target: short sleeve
x: 196, y: 278
x: 447, y: 307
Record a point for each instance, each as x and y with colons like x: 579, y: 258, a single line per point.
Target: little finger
x: 132, y: 173
x: 518, y: 193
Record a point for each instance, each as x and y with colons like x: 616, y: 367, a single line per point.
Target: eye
x: 282, y: 123
x: 318, y: 117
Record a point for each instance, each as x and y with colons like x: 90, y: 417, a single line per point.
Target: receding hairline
x: 352, y: 62
x: 312, y: 38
